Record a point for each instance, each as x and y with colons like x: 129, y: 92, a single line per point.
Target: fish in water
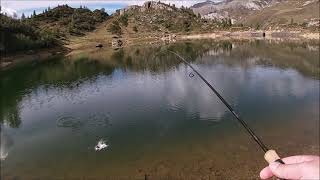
x: 101, y: 145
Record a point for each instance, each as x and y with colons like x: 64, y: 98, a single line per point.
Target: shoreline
x: 258, y: 35
x: 87, y: 43
x: 24, y: 57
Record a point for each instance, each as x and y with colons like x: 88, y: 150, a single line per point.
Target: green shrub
x: 115, y: 28
x: 135, y: 29
x: 124, y: 19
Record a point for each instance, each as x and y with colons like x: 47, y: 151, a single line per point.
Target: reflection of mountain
x: 154, y: 58
x: 285, y: 55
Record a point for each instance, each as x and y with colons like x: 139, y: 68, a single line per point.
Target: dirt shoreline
x: 289, y: 35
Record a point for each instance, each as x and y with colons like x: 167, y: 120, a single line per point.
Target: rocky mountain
x: 262, y: 13
x: 230, y: 8
x: 287, y: 14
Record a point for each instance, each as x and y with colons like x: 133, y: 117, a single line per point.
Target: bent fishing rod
x: 270, y: 155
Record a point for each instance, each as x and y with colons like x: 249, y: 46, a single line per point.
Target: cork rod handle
x: 272, y: 156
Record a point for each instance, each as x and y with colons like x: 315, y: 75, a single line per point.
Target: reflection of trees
x: 13, y: 118
x: 6, y: 143
x: 17, y: 82
x: 156, y: 58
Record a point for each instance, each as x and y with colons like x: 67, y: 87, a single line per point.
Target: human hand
x: 295, y: 167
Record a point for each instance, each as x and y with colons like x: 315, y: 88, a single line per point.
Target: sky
x: 27, y: 7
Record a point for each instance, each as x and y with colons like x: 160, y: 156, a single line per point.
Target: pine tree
x: 229, y: 22
x: 34, y: 13
x: 23, y: 17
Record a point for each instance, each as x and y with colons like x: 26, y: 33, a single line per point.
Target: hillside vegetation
x: 19, y: 35
x: 157, y: 17
x: 153, y: 22
x: 48, y: 29
x: 65, y: 20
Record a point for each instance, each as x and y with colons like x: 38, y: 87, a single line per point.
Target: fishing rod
x: 270, y: 155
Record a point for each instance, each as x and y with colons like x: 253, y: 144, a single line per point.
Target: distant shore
x: 260, y: 34
x: 88, y: 43
x: 24, y: 57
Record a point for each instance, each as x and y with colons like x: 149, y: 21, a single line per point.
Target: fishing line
x: 270, y: 155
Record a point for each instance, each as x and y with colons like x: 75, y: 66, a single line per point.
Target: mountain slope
x: 230, y: 8
x: 48, y: 29
x: 288, y: 13
x: 65, y: 20
x: 262, y: 13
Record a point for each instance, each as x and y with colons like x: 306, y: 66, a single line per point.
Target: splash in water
x: 101, y: 145
x: 5, y: 144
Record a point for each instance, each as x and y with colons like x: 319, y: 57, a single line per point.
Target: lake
x: 156, y: 119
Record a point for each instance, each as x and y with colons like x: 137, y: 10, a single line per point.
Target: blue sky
x: 28, y: 6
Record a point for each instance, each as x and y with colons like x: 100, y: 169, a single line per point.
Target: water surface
x: 156, y: 119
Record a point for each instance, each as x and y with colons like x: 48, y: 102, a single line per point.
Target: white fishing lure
x: 101, y: 145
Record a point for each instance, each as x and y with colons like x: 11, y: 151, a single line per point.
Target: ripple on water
x: 90, y: 122
x: 69, y: 122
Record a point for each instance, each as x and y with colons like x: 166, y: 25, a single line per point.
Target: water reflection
x: 57, y: 77
x: 5, y: 144
x: 143, y: 101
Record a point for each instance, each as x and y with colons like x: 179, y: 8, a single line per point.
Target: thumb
x: 286, y: 171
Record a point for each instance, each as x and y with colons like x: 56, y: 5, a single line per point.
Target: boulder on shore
x: 116, y: 42
x: 99, y: 45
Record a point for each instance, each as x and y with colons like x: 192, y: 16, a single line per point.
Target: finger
x: 286, y: 171
x: 298, y: 159
x: 266, y: 173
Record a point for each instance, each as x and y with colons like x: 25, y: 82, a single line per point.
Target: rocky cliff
x: 262, y: 13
